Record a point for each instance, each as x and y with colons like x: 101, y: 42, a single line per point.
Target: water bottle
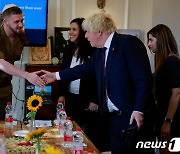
x: 62, y: 114
x: 68, y: 134
x: 59, y: 106
x: 78, y: 141
x: 9, y: 115
x: 14, y: 114
x: 58, y: 109
x: 62, y: 119
x: 2, y: 143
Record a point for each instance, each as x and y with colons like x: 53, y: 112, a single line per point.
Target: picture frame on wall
x: 40, y: 55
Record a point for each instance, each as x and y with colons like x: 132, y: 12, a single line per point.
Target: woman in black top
x: 167, y: 81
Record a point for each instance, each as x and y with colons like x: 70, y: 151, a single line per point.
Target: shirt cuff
x: 57, y: 76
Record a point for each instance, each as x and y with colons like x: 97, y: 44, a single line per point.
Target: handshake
x: 40, y: 78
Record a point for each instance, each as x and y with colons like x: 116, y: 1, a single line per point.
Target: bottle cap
x: 1, y: 131
x: 78, y: 129
x: 68, y: 118
x: 90, y: 150
x: 62, y: 109
x: 60, y: 101
x: 9, y: 103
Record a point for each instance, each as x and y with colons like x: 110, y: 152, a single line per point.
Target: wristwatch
x: 169, y: 120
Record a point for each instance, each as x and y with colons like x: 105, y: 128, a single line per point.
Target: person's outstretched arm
x: 12, y: 70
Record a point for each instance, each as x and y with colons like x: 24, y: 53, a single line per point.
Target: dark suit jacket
x: 88, y: 85
x: 128, y: 74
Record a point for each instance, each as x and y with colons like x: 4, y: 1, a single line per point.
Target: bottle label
x: 68, y: 138
x: 9, y: 119
x: 78, y: 151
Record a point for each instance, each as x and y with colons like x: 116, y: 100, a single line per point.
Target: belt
x: 116, y: 113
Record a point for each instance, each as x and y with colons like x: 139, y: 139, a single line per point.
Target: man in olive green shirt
x: 11, y: 45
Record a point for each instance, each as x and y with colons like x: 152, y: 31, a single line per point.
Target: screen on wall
x: 35, y: 19
x: 45, y: 93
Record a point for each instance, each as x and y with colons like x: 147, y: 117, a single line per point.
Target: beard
x: 16, y: 30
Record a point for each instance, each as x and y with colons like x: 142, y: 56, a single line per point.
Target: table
x: 51, y: 137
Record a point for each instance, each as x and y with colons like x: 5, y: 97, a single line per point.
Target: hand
x: 93, y: 107
x: 35, y: 79
x: 48, y: 77
x: 138, y: 117
x: 165, y: 131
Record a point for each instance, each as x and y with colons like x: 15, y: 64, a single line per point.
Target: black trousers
x: 72, y: 107
x: 94, y: 126
x: 127, y: 144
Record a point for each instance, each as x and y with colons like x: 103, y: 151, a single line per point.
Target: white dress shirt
x: 107, y: 44
x: 74, y: 85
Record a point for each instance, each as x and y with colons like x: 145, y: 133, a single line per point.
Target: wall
x: 111, y: 7
x: 140, y: 17
x: 130, y: 14
x: 167, y: 12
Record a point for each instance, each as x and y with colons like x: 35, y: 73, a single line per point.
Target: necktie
x: 104, y: 104
x: 103, y: 58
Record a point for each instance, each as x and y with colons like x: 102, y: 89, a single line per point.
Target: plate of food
x: 19, y: 145
x: 20, y: 133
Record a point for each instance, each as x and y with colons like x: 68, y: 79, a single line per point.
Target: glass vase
x: 32, y: 123
x: 38, y: 146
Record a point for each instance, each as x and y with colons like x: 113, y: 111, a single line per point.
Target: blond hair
x: 99, y: 22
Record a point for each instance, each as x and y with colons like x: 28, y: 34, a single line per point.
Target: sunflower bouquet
x: 36, y: 134
x: 33, y: 104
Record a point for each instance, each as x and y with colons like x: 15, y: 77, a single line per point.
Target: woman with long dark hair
x: 167, y: 81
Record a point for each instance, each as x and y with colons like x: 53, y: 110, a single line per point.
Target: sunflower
x: 35, y: 134
x: 52, y: 149
x: 34, y: 102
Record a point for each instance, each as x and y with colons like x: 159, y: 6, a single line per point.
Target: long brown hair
x: 166, y: 44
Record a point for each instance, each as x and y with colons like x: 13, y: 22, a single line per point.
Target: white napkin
x: 42, y: 123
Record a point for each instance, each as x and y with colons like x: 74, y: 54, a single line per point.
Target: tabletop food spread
x: 17, y: 144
